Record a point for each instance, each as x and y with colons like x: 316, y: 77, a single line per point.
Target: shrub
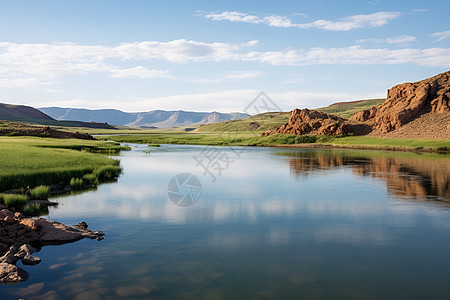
x: 76, y: 183
x: 35, y: 209
x: 14, y: 200
x: 107, y: 173
x: 41, y: 192
x: 2, y: 200
x: 90, y: 179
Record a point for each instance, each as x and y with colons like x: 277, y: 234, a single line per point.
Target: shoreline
x: 361, y: 147
x: 299, y: 141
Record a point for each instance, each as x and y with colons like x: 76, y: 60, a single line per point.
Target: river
x: 199, y: 222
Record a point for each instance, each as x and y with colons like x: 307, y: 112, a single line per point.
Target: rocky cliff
x: 417, y: 110
x: 406, y: 101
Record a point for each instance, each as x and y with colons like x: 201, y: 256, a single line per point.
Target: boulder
x: 30, y: 260
x: 10, y: 273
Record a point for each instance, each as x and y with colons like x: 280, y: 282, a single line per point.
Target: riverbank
x: 383, y: 144
x: 278, y: 140
x: 34, y: 161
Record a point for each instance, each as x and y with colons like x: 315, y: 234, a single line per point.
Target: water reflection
x: 280, y: 224
x: 408, y: 175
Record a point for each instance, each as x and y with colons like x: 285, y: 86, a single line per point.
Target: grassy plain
x: 254, y: 139
x: 33, y: 161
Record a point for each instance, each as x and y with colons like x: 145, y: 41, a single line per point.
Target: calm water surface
x: 276, y: 224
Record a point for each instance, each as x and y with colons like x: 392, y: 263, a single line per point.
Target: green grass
x: 217, y: 139
x: 13, y: 200
x: 390, y: 144
x: 90, y: 179
x: 253, y: 139
x: 258, y: 123
x: 76, y: 184
x: 33, y: 161
x: 41, y: 192
x: 35, y: 209
x: 186, y: 138
x: 346, y: 110
x: 107, y: 173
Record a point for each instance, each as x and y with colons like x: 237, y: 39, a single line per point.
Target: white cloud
x: 233, y: 76
x: 344, y: 24
x: 23, y: 65
x: 354, y: 55
x: 139, y: 72
x: 401, y: 39
x: 21, y: 82
x: 32, y: 65
x: 420, y: 9
x: 244, y: 75
x: 439, y: 36
x: 177, y: 50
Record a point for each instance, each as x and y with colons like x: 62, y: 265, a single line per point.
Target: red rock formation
x: 305, y: 121
x: 405, y: 101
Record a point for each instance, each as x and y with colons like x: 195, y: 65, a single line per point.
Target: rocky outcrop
x: 407, y: 100
x: 425, y: 102
x: 305, y: 121
x: 21, y: 236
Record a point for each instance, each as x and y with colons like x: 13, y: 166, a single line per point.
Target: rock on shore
x: 21, y: 236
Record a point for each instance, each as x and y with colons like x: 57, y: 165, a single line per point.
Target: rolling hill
x: 155, y: 118
x: 28, y: 114
x: 266, y: 121
x: 347, y: 109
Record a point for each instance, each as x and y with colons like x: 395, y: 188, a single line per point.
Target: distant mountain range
x: 155, y: 118
x: 28, y: 114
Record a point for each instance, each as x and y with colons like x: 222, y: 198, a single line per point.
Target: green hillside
x: 265, y: 121
x: 347, y: 109
x: 27, y: 114
x: 259, y: 122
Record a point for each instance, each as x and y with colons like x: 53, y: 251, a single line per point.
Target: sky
x: 193, y: 55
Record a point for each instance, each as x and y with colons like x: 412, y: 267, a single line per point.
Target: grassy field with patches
x: 32, y: 161
x: 253, y: 139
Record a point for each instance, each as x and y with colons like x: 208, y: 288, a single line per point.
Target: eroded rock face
x: 305, y: 121
x: 405, y: 101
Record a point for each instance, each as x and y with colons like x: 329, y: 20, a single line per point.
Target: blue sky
x: 210, y: 55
